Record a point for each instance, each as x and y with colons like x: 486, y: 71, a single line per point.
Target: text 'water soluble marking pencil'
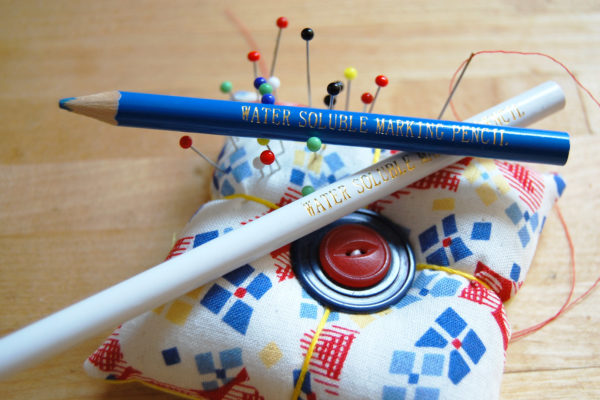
x: 224, y: 117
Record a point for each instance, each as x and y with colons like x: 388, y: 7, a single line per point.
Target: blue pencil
x: 222, y: 117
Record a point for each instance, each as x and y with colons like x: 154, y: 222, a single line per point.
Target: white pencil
x: 172, y: 278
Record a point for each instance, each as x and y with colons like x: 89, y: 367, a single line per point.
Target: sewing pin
x: 186, y: 143
x: 307, y: 34
x: 282, y: 23
x: 350, y: 73
x: 380, y: 81
x: 366, y: 98
x: 253, y: 57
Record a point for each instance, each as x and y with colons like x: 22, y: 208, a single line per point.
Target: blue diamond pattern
x: 239, y: 275
x: 242, y: 172
x: 428, y: 238
x: 453, y: 324
x: 514, y: 213
x: 239, y: 314
x: 171, y: 356
x: 449, y: 225
x: 205, y: 364
x: 524, y: 236
x: 402, y: 362
x: 393, y: 393
x: 227, y: 189
x: 515, y: 272
x: 481, y: 231
x: 443, y: 287
x: 204, y: 237
x: 333, y: 161
x: 297, y: 177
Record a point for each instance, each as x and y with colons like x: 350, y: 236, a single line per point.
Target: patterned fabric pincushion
x: 473, y: 226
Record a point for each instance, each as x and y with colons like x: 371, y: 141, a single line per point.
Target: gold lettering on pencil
x: 286, y: 118
x: 309, y: 208
x: 332, y: 192
x: 345, y: 195
x: 465, y: 131
x: 375, y: 183
x: 439, y: 134
x: 406, y: 159
x: 255, y: 116
x: 344, y: 122
x: 409, y: 128
x: 275, y: 117
x: 363, y: 122
x: 386, y: 177
x: 368, y: 184
x: 390, y: 127
x: 400, y: 170
x: 324, y: 195
x: 504, y: 116
x: 301, y: 115
x: 420, y: 126
x: 425, y: 157
x: 350, y: 127
x: 319, y: 206
x: 455, y: 130
x: 502, y: 137
x: 380, y: 126
x: 334, y: 123
x: 320, y: 121
x: 494, y: 131
x: 482, y: 140
x: 310, y: 117
x: 266, y: 118
x: 399, y: 124
x: 392, y: 171
x: 245, y: 112
x: 359, y: 188
x: 429, y: 130
x: 475, y: 135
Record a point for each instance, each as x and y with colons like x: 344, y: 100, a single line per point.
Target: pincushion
x: 473, y: 227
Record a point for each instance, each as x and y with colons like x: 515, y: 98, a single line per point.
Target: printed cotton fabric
x: 245, y: 335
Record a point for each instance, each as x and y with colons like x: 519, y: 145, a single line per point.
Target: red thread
x: 567, y: 304
x: 249, y: 39
x: 522, y: 53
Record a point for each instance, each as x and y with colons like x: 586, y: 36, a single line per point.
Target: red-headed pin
x: 267, y: 157
x: 282, y: 23
x: 186, y: 143
x: 253, y: 57
x: 366, y: 98
x: 380, y: 81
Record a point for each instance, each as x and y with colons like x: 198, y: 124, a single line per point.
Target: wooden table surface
x: 84, y: 205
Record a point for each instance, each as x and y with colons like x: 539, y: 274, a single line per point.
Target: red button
x: 354, y: 256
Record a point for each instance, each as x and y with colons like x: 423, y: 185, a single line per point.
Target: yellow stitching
x: 453, y: 271
x: 309, y: 354
x: 256, y: 199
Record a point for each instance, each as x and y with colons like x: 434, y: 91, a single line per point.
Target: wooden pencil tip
x: 62, y: 103
x: 102, y: 106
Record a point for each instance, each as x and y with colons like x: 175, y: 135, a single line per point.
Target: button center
x: 355, y: 256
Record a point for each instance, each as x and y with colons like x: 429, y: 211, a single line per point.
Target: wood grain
x: 84, y: 205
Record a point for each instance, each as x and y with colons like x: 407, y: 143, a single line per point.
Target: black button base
x: 304, y: 254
